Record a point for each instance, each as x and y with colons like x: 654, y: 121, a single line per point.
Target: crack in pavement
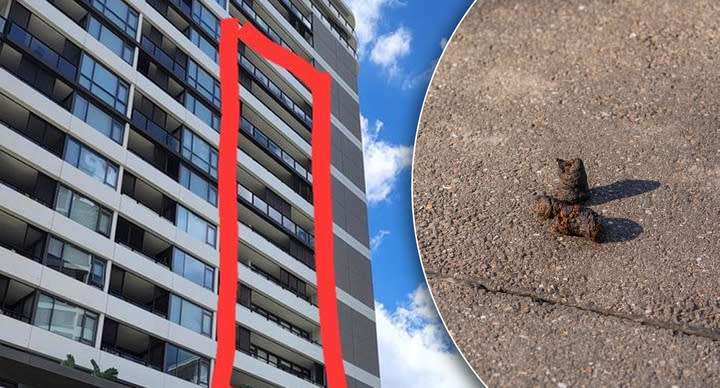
x: 476, y: 282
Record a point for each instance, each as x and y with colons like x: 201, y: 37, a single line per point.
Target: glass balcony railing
x: 277, y: 281
x: 281, y: 363
x: 157, y: 132
x: 183, y: 6
x: 296, y: 11
x: 337, y: 33
x: 246, y: 8
x: 275, y: 150
x: 282, y: 323
x: 278, y: 218
x: 21, y: 37
x: 162, y: 57
x: 284, y: 99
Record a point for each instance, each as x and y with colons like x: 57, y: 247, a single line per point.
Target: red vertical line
x: 322, y: 205
x: 227, y: 203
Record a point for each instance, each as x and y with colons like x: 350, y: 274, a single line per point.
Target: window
x: 186, y: 365
x: 98, y: 119
x: 83, y: 211
x: 190, y: 315
x: 199, y: 152
x: 90, y: 162
x: 198, y: 185
x: 205, y: 19
x: 66, y: 319
x: 110, y: 40
x: 202, y: 112
x: 203, y: 82
x: 102, y: 83
x: 119, y: 14
x: 75, y: 263
x: 195, y: 226
x: 203, y: 44
x: 192, y: 269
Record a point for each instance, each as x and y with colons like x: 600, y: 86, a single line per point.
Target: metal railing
x: 284, y: 99
x: 275, y: 215
x: 282, y: 323
x: 277, y: 282
x: 22, y: 37
x: 157, y: 132
x: 164, y: 58
x: 274, y: 149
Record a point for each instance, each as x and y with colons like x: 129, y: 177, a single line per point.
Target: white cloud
x: 378, y: 238
x: 389, y: 48
x: 414, y: 349
x: 383, y: 161
x: 367, y: 16
x: 443, y: 43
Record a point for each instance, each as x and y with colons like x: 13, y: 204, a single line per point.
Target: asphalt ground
x: 632, y: 88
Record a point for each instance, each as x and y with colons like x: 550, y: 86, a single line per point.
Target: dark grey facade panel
x: 334, y: 53
x: 359, y: 339
x: 345, y: 108
x: 353, y: 272
x: 352, y: 383
x: 347, y: 158
x: 350, y: 212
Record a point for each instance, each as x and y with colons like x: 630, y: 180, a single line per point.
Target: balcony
x: 27, y: 180
x: 170, y: 64
x: 278, y: 356
x: 275, y: 273
x: 274, y: 216
x: 149, y: 197
x: 143, y: 243
x: 22, y: 238
x: 134, y: 345
x: 18, y: 299
x: 301, y: 23
x: 31, y: 44
x: 31, y: 126
x: 271, y: 92
x: 278, y: 315
x: 139, y: 292
x: 29, y: 241
x: 104, y: 23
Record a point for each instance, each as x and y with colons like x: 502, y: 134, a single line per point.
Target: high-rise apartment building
x: 109, y: 120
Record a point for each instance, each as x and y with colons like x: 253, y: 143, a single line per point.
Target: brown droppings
x: 569, y: 219
x: 573, y: 187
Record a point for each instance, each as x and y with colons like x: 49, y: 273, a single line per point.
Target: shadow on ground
x: 621, y: 229
x: 621, y: 189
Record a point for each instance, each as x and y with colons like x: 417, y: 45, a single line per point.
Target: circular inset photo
x: 566, y: 192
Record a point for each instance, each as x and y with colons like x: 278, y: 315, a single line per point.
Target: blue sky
x: 399, y: 44
x: 394, y: 97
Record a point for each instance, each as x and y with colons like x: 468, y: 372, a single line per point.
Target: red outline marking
x: 319, y: 83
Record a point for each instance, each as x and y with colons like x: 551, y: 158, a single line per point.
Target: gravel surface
x: 631, y: 88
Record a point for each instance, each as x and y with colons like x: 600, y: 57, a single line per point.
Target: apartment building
x: 109, y: 129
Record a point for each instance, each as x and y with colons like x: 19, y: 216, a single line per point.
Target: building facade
x: 109, y: 129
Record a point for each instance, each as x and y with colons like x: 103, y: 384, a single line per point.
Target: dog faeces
x: 570, y: 219
x: 573, y: 187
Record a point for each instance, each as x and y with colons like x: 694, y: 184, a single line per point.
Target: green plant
x: 69, y: 361
x: 109, y: 374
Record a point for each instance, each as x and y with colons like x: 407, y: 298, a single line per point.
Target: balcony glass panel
x: 110, y: 40
x: 83, y: 211
x: 118, y: 13
x: 98, y: 119
x: 192, y: 269
x: 89, y: 162
x: 103, y: 84
x: 66, y: 319
x: 76, y: 263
